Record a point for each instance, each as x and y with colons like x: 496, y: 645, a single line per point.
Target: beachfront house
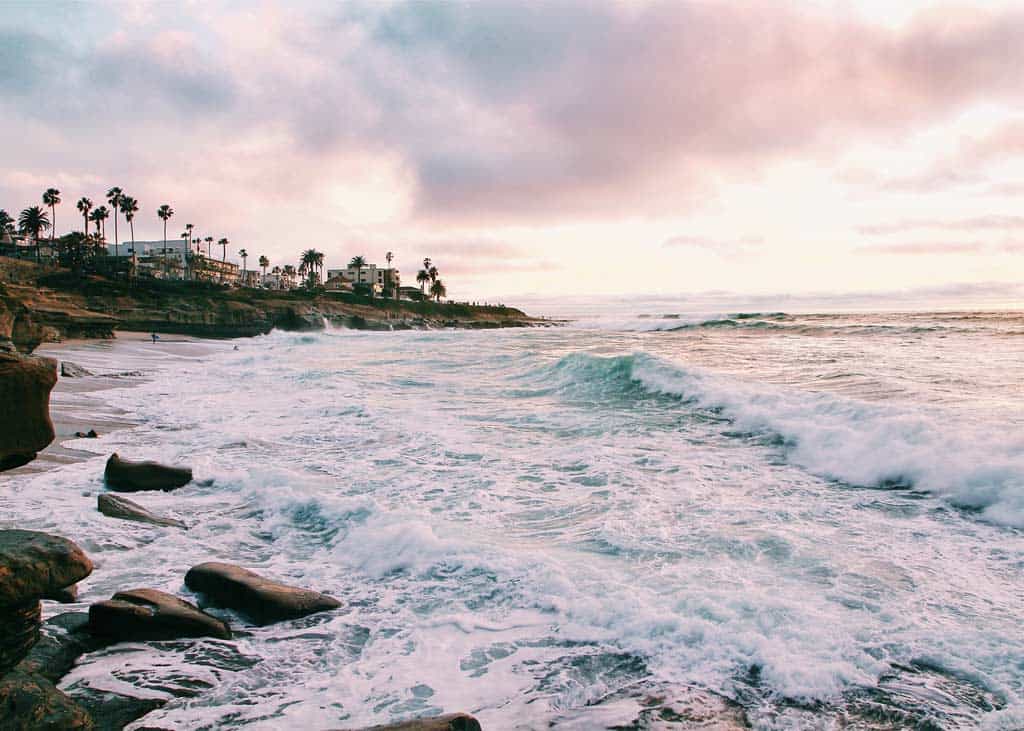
x: 280, y: 279
x: 215, y: 270
x: 379, y: 279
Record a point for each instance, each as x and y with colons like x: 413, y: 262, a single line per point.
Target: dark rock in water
x: 121, y: 474
x: 148, y: 614
x: 64, y: 639
x: 67, y: 595
x: 449, y: 722
x: 91, y: 434
x: 32, y: 703
x: 116, y: 506
x: 25, y: 426
x: 34, y: 564
x: 70, y: 370
x: 112, y: 710
x: 262, y: 600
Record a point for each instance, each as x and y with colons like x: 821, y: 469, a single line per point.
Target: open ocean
x: 818, y: 517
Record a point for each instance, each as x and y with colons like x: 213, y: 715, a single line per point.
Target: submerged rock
x: 116, y: 506
x: 149, y: 614
x: 449, y: 722
x: 126, y: 476
x: 25, y: 426
x: 32, y: 566
x: 262, y: 600
x: 71, y: 370
x: 33, y: 703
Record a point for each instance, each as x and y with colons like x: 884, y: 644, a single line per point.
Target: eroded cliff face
x: 25, y: 384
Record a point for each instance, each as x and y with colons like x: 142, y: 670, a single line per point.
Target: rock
x: 67, y: 595
x: 64, y: 639
x: 116, y: 506
x: 113, y: 710
x: 32, y: 565
x: 261, y: 600
x: 148, y: 614
x: 126, y: 476
x: 71, y: 370
x: 33, y: 703
x: 25, y: 426
x: 91, y: 434
x: 449, y: 722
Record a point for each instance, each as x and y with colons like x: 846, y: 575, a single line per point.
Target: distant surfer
x: 154, y: 336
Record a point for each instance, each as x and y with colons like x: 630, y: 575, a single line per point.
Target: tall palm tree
x: 358, y: 262
x: 84, y: 205
x: 311, y: 261
x: 129, y: 207
x: 388, y: 258
x: 245, y: 255
x: 264, y: 263
x: 51, y: 198
x: 223, y: 244
x: 99, y: 216
x: 114, y: 199
x: 165, y: 212
x: 31, y: 222
x: 422, y: 277
x: 209, y: 242
x: 188, y: 228
x: 432, y: 273
x: 437, y: 290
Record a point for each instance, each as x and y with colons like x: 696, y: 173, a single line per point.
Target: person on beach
x: 155, y: 337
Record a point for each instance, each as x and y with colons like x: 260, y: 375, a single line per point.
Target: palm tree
x: 51, y: 198
x: 99, y: 216
x: 223, y: 244
x: 209, y: 242
x: 422, y: 277
x: 31, y: 222
x: 288, y: 271
x: 129, y: 207
x: 188, y: 228
x: 358, y: 262
x: 84, y: 205
x: 432, y: 273
x: 388, y: 257
x: 165, y: 212
x: 437, y: 290
x: 6, y: 222
x: 264, y: 263
x: 311, y: 261
x: 245, y: 255
x: 114, y: 199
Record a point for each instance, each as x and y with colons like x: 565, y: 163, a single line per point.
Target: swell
x: 979, y: 467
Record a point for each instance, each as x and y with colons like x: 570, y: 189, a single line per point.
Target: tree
x: 438, y: 290
x: 6, y: 223
x: 209, y: 242
x: 358, y: 262
x: 245, y: 255
x: 223, y: 244
x: 31, y: 222
x: 264, y: 263
x: 422, y: 277
x: 311, y: 261
x: 391, y: 286
x: 99, y: 216
x: 432, y: 273
x: 165, y: 212
x: 114, y: 199
x: 129, y: 207
x: 51, y: 198
x: 84, y: 205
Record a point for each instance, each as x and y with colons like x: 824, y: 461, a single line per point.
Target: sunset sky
x: 585, y: 148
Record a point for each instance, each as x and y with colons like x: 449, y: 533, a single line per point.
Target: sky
x: 544, y: 148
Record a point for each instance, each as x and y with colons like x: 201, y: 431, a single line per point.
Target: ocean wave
x: 850, y: 441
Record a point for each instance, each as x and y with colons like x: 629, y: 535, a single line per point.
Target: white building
x: 377, y: 277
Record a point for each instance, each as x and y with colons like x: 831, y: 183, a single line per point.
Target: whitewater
x: 816, y: 518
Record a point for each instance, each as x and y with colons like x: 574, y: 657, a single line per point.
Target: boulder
x: 262, y: 600
x: 116, y: 506
x: 125, y: 476
x: 71, y: 370
x: 449, y: 722
x: 67, y: 595
x: 148, y: 614
x: 33, y: 703
x: 64, y: 639
x: 32, y: 565
x: 25, y: 426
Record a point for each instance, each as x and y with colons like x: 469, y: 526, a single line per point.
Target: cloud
x: 725, y: 247
x: 976, y: 223
x: 923, y: 249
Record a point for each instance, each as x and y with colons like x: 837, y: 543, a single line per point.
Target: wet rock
x: 67, y: 595
x: 32, y: 565
x: 449, y: 722
x: 116, y: 506
x: 262, y: 600
x: 71, y: 370
x: 33, y: 703
x: 149, y: 614
x: 25, y: 426
x: 126, y: 476
x: 64, y: 639
x: 91, y: 434
x: 113, y: 710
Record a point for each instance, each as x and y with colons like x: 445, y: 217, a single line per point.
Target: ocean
x: 803, y: 520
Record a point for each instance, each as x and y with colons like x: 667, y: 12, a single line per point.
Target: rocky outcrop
x: 449, y: 722
x: 72, y: 370
x: 32, y: 565
x: 25, y: 426
x: 149, y: 614
x: 262, y: 600
x: 116, y: 506
x: 33, y: 703
x: 127, y: 476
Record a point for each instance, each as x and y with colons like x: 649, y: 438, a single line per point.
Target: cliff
x: 38, y: 305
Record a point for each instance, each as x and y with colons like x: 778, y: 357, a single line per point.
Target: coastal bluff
x: 41, y: 304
